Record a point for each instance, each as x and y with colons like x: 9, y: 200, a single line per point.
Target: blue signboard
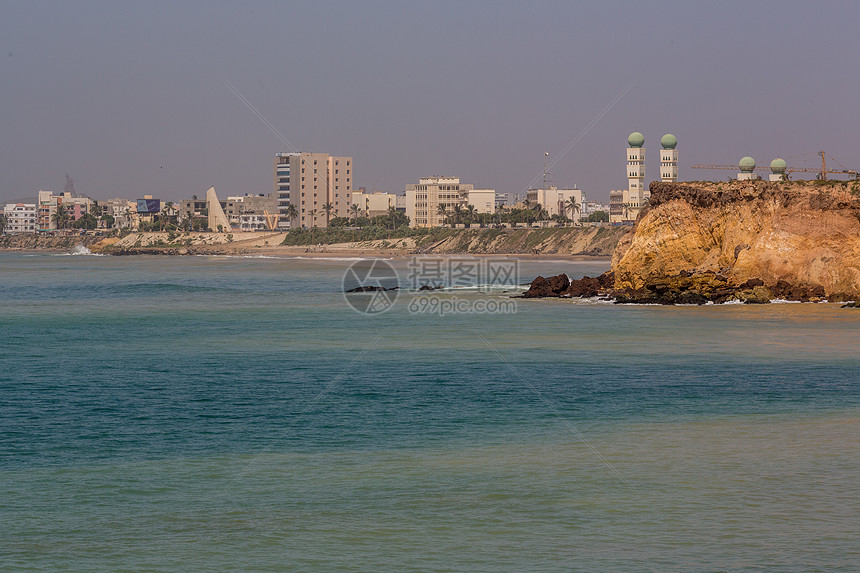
x: 149, y: 205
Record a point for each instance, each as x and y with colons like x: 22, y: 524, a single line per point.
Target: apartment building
x: 309, y: 182
x: 20, y: 218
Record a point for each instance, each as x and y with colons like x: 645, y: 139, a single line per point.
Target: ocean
x: 236, y: 413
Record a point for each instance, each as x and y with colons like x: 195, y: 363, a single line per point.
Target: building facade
x: 309, y: 182
x: 669, y: 159
x: 423, y: 200
x: 616, y: 205
x: 21, y: 218
x: 557, y: 201
x: 428, y: 202
x: 373, y: 204
x: 48, y: 204
x: 636, y: 192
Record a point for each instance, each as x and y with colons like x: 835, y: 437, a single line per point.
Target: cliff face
x: 802, y: 233
x: 596, y: 241
x: 30, y: 242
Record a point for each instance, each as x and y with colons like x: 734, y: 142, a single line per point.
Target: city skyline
x: 139, y: 100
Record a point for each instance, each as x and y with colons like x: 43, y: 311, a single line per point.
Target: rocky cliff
x: 30, y: 242
x: 803, y: 235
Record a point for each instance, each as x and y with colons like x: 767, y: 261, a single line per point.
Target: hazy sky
x: 131, y: 98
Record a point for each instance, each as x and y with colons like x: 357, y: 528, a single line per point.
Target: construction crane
x: 820, y: 173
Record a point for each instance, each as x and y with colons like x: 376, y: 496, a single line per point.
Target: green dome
x: 747, y: 164
x: 636, y: 139
x: 669, y: 141
x: 778, y: 165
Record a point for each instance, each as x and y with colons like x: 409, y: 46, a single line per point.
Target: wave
x: 79, y: 250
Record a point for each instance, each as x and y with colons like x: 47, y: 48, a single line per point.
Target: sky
x: 134, y: 98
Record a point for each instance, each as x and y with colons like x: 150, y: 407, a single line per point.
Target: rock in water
x: 543, y: 288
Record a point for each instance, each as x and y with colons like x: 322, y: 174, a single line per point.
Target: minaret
x: 669, y: 159
x: 636, y: 193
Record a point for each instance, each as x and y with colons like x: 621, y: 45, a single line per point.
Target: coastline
x: 576, y: 243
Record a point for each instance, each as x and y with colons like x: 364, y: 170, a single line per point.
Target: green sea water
x: 228, y: 413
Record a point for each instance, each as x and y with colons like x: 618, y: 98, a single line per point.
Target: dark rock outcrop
x: 684, y: 288
x: 543, y: 288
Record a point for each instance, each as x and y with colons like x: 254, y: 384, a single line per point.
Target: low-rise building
x: 591, y: 207
x: 505, y: 199
x: 47, y: 205
x: 428, y: 202
x: 235, y: 209
x: 557, y: 201
x: 484, y: 200
x: 373, y: 204
x: 123, y: 211
x: 617, y: 201
x: 21, y: 218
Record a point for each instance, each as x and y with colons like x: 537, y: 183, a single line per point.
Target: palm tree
x: 354, y: 209
x: 328, y: 208
x: 3, y: 223
x: 60, y: 217
x: 313, y: 215
x: 457, y: 214
x: 165, y: 214
x: 391, y: 213
x: 292, y: 213
x: 572, y: 207
x: 442, y: 211
x: 470, y: 212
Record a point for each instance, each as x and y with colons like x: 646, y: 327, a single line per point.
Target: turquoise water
x: 215, y: 413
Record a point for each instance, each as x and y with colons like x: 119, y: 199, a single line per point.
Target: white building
x: 591, y: 207
x: 426, y: 201
x: 636, y: 192
x: 556, y: 201
x: 21, y: 218
x: 669, y: 159
x: 253, y: 222
x: 484, y: 200
x: 373, y: 204
x: 503, y: 199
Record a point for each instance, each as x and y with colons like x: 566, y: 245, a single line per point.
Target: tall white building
x: 310, y: 181
x: 669, y: 159
x: 636, y: 192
